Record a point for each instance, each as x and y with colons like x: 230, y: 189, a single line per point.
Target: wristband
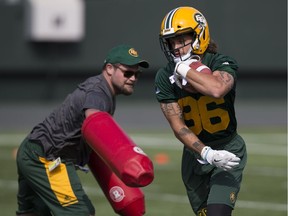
x: 183, y: 69
x: 204, y: 152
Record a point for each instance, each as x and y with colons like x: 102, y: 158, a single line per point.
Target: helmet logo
x: 133, y: 52
x: 200, y: 19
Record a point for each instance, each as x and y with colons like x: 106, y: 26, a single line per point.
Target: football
x: 198, y: 66
x: 201, y: 68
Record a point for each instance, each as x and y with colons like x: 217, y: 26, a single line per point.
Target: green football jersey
x: 211, y: 119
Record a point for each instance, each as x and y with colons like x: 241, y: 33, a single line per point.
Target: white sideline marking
x: 239, y: 203
x: 261, y: 205
x: 92, y: 191
x: 259, y: 147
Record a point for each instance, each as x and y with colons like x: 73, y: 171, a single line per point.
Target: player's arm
x: 222, y: 159
x: 174, y: 116
x: 216, y: 84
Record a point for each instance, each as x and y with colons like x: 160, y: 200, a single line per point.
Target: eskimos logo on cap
x: 133, y: 52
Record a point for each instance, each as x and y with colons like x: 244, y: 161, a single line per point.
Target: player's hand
x: 177, y: 78
x: 220, y: 158
x: 181, y: 69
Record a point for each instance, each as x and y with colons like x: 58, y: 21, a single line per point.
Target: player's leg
x: 196, y: 179
x: 215, y: 210
x: 219, y: 210
x: 225, y: 185
x: 202, y: 212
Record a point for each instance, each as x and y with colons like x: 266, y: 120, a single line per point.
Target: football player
x: 200, y: 110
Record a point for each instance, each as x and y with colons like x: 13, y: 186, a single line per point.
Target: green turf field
x: 263, y: 191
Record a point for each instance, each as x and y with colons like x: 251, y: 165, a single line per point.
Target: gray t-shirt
x: 60, y: 132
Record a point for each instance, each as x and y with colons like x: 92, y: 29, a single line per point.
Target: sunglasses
x: 128, y: 73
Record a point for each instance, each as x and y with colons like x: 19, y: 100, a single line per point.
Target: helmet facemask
x: 170, y: 52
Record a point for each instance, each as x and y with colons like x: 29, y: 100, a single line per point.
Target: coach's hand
x: 220, y: 158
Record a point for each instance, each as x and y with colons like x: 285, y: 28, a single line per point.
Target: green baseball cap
x: 127, y: 55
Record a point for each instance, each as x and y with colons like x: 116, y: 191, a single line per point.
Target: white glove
x: 181, y: 69
x: 177, y: 78
x: 222, y: 158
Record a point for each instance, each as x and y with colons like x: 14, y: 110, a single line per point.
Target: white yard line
x: 265, y: 146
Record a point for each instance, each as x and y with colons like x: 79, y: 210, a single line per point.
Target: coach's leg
x: 25, y: 195
x: 67, y: 196
x: 60, y: 190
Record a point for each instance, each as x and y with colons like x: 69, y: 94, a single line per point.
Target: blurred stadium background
x: 38, y: 70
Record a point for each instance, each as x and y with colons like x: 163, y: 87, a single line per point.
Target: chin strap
x: 183, y: 57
